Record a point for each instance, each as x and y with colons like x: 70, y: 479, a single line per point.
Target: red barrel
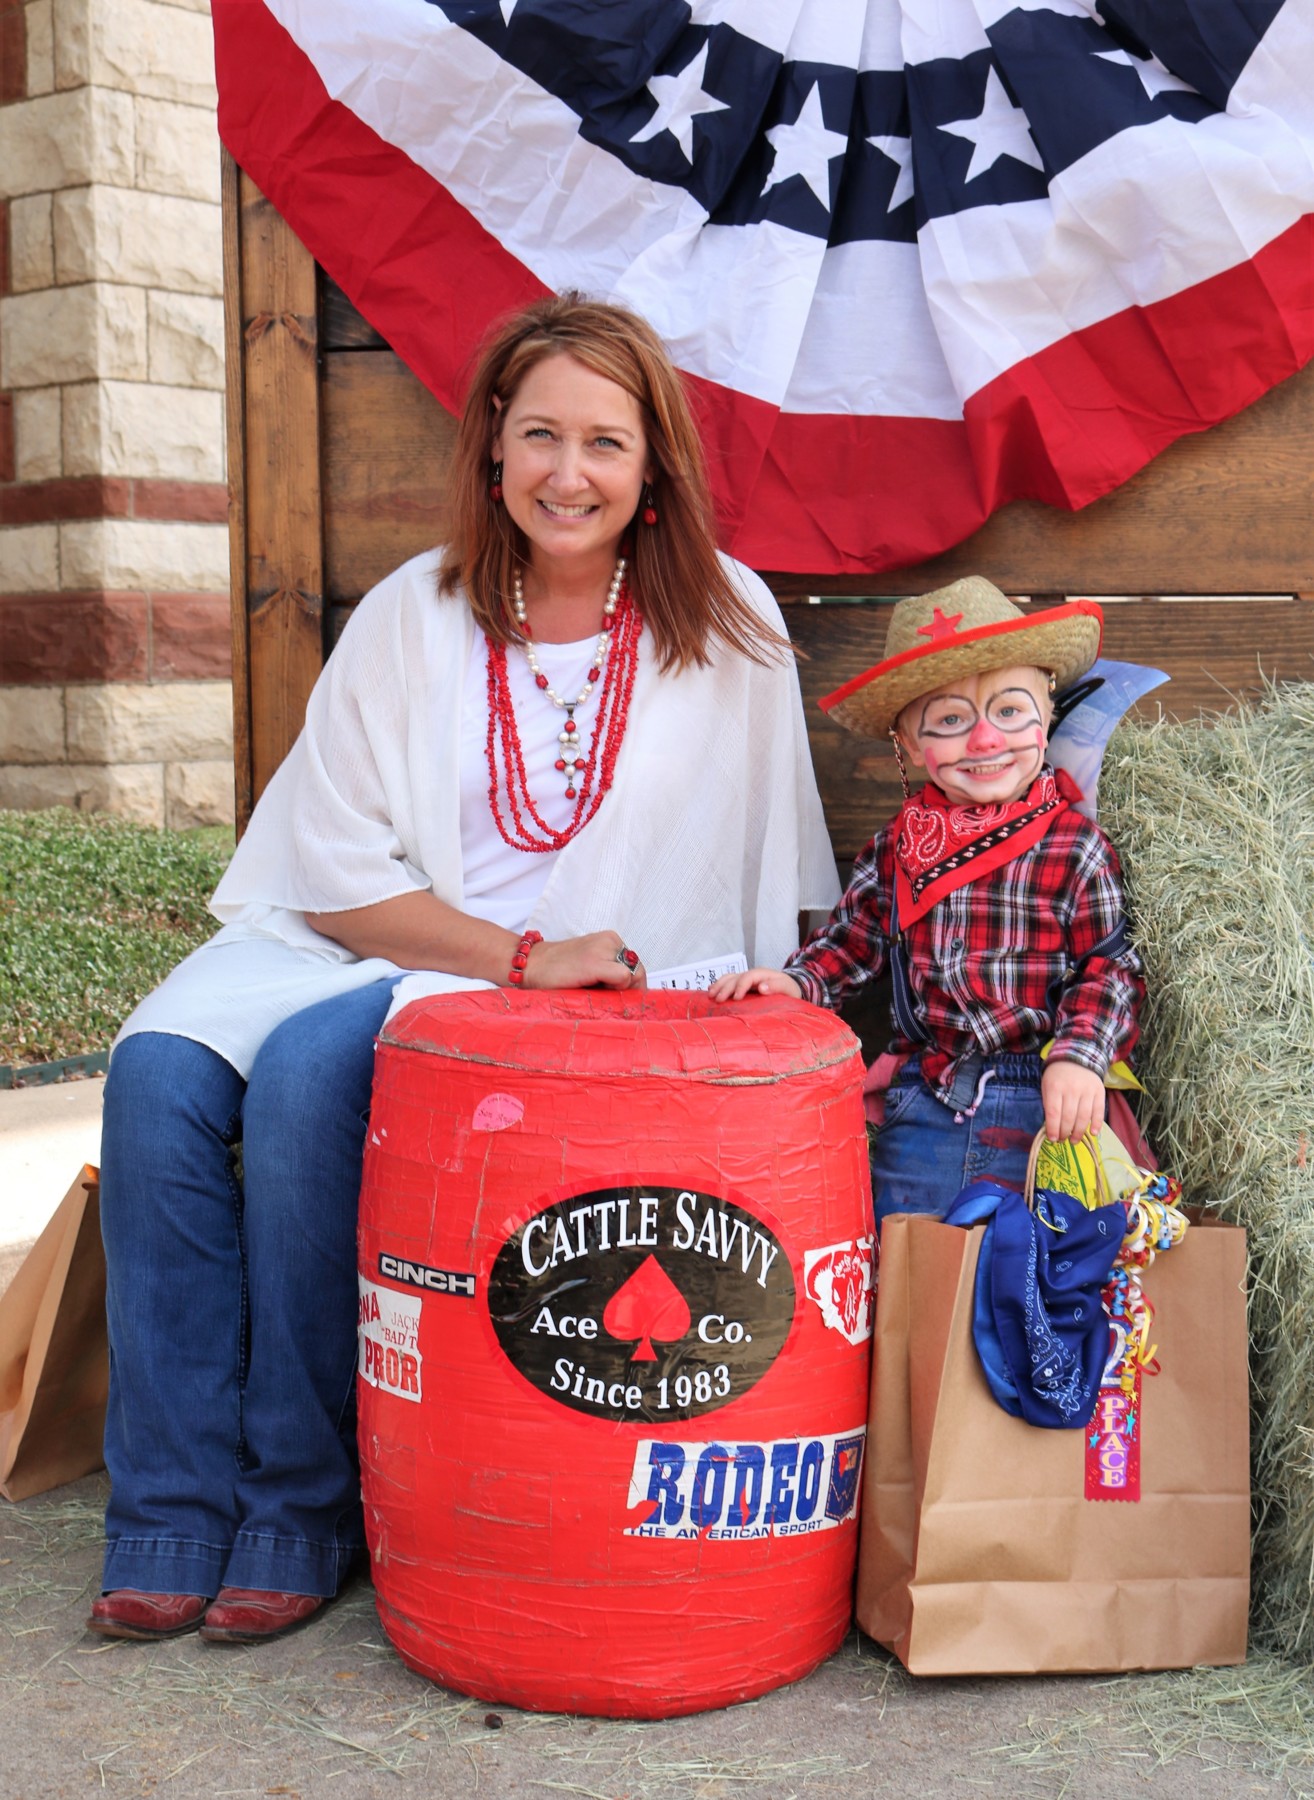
x: 615, y: 1323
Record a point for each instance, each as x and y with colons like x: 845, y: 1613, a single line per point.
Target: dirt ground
x: 332, y: 1712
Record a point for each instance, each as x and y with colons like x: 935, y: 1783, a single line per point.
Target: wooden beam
x: 283, y: 586
x: 235, y: 387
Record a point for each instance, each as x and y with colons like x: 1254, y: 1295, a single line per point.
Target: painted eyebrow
x: 943, y: 699
x: 1000, y: 692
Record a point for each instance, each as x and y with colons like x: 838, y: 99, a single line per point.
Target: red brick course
x: 189, y: 502
x: 191, y: 637
x: 46, y: 639
x: 112, y: 497
x: 13, y: 51
x: 49, y: 639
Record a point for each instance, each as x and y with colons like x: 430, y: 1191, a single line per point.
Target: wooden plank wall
x: 276, y: 550
x: 338, y: 466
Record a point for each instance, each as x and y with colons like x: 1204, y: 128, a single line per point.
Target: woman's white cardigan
x: 711, y: 840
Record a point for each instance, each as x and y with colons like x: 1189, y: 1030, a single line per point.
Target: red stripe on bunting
x: 811, y: 493
x: 858, y: 495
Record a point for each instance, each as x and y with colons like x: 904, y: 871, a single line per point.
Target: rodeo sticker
x: 840, y: 1280
x: 388, y: 1340
x: 790, y: 1487
x: 642, y: 1303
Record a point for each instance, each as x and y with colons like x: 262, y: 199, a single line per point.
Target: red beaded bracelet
x: 521, y: 957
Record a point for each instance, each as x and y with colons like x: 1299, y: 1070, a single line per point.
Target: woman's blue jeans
x: 923, y: 1154
x: 230, y: 1435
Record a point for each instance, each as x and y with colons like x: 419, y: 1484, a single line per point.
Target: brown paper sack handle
x: 1088, y: 1138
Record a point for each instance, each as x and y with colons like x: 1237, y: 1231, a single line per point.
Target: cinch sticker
x: 642, y: 1303
x: 388, y: 1339
x: 433, y: 1281
x: 840, y: 1279
x: 789, y: 1487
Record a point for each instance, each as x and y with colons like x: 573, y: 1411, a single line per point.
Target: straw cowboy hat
x: 964, y: 629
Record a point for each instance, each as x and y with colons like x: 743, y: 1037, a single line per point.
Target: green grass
x: 93, y: 913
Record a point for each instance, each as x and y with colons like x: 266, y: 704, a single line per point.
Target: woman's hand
x: 755, y: 981
x: 582, y: 962
x: 1074, y: 1101
x: 420, y: 931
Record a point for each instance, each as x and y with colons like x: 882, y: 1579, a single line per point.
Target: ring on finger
x: 630, y: 958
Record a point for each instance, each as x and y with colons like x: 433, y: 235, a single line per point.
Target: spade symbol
x: 647, y: 1306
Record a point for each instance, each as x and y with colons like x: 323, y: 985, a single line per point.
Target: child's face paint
x: 981, y: 739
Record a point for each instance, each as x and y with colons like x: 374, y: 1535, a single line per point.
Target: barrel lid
x: 765, y: 1038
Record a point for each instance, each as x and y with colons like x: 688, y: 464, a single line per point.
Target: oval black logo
x: 642, y: 1303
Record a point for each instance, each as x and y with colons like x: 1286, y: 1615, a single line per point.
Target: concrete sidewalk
x: 46, y: 1134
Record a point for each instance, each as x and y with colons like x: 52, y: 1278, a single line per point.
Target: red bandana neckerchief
x: 940, y: 845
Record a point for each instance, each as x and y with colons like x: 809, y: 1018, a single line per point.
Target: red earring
x: 495, y: 488
x: 649, y: 510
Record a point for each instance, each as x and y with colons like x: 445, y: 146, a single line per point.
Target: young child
x: 997, y: 906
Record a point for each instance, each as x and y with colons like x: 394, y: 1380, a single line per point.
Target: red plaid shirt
x: 1031, y: 951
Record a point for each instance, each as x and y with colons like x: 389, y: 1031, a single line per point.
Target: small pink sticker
x: 496, y: 1111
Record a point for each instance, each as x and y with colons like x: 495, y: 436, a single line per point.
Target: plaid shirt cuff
x: 1090, y: 1055
x: 814, y: 988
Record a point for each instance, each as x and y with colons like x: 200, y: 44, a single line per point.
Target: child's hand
x: 755, y: 981
x: 1074, y: 1100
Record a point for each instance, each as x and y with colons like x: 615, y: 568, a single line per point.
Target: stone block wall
x: 115, y: 646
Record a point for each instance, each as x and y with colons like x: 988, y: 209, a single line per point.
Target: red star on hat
x: 941, y: 626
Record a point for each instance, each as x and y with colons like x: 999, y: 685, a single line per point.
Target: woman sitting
x: 564, y: 750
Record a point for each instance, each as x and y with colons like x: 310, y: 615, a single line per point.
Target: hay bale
x: 1215, y: 823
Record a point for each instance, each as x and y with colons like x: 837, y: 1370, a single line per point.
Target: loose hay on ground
x: 1259, y: 1717
x: 1215, y: 823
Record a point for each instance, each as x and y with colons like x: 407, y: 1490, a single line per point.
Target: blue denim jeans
x: 924, y: 1153
x: 230, y: 1435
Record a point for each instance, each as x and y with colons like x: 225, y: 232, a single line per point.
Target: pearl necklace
x: 570, y: 762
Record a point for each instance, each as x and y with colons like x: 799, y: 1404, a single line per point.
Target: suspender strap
x: 905, y: 1011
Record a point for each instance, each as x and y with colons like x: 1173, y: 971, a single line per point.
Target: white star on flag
x: 680, y: 98
x: 899, y: 150
x: 508, y: 7
x: 806, y: 148
x: 1155, y: 79
x: 999, y: 129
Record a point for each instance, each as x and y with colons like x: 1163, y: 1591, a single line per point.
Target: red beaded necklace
x: 591, y: 776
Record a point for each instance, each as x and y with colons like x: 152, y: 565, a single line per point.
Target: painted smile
x: 983, y: 771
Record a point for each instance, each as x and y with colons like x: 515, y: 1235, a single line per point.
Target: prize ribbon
x: 1155, y: 1222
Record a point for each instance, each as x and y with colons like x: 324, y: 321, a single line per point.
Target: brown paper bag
x: 979, y: 1553
x: 54, y: 1354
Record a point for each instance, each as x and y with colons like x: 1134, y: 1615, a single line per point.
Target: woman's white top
x: 711, y: 839
x: 502, y: 883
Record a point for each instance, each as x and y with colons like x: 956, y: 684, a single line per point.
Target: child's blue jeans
x: 925, y: 1152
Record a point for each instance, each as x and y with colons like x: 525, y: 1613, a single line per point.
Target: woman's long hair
x: 676, y: 577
